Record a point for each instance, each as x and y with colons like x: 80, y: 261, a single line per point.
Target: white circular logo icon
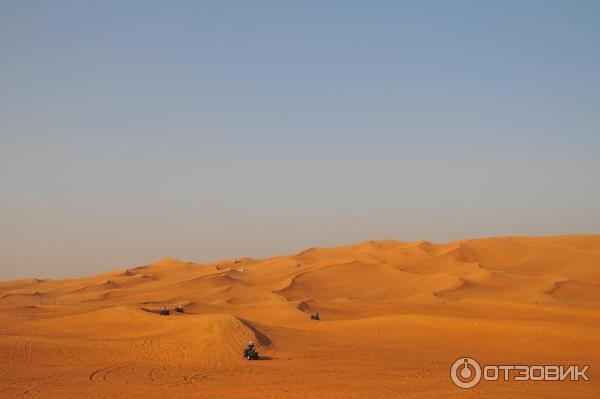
x: 465, y: 372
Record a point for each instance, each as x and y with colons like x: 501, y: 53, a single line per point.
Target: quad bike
x: 179, y: 309
x: 250, y: 354
x: 315, y: 316
x: 164, y: 312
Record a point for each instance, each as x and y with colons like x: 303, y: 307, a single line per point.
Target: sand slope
x: 394, y: 317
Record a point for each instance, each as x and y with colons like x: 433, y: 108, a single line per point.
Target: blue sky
x: 135, y: 130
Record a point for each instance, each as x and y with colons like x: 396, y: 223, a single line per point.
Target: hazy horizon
x: 134, y: 131
x: 75, y: 274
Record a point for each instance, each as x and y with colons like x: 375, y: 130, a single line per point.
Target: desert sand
x: 394, y: 317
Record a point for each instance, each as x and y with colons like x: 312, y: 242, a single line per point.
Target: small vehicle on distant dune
x: 179, y: 309
x: 315, y: 316
x: 164, y: 311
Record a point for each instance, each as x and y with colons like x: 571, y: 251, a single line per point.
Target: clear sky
x: 135, y: 130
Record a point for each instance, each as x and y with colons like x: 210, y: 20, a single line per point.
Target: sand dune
x: 394, y: 317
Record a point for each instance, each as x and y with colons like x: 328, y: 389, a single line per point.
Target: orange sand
x: 394, y: 317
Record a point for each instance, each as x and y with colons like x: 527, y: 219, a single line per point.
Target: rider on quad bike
x: 250, y: 352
